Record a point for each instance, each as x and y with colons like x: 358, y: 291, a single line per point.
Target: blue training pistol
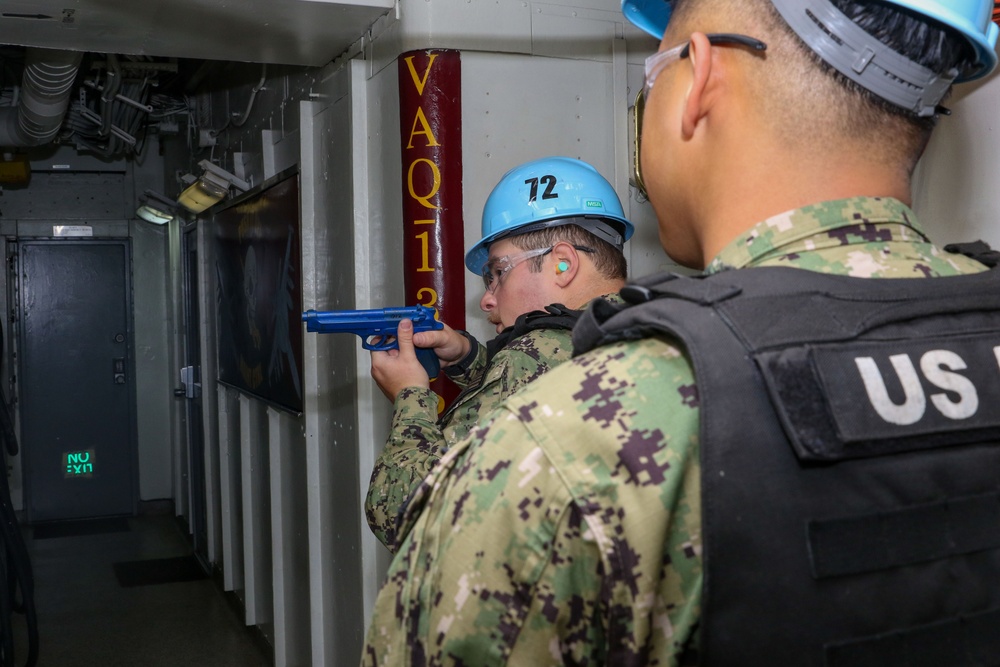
x: 382, y: 322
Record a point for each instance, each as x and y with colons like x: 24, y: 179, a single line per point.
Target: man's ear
x: 565, y: 263
x: 696, y: 104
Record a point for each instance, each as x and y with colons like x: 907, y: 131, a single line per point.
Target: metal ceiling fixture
x: 210, y: 188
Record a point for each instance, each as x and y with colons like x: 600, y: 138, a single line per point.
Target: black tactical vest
x: 850, y: 453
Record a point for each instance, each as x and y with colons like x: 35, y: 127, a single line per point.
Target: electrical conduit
x: 46, y: 88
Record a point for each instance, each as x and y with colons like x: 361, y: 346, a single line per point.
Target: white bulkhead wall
x: 955, y: 185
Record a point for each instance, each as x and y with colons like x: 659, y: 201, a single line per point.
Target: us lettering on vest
x: 902, y: 389
x: 866, y: 398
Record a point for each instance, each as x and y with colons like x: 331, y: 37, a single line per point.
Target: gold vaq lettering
x: 431, y: 295
x: 425, y: 255
x: 424, y: 151
x: 420, y: 83
x: 421, y: 119
x: 424, y: 199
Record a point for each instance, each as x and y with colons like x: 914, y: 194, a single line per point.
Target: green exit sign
x: 79, y: 464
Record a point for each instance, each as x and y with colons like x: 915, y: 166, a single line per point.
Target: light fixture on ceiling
x: 155, y: 208
x: 210, y: 188
x: 15, y: 169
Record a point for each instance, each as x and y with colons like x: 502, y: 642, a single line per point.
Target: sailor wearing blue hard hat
x: 553, y: 235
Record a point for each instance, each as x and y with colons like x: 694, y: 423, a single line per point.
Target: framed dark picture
x: 259, y: 296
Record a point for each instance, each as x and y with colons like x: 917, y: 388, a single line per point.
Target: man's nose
x: 488, y: 302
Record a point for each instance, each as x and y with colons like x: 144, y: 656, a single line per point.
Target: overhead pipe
x: 111, y: 87
x: 46, y: 88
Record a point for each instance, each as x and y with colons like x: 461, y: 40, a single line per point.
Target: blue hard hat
x: 971, y: 18
x: 550, y: 192
x: 652, y: 16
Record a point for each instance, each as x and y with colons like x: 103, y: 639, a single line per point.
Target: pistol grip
x: 429, y: 361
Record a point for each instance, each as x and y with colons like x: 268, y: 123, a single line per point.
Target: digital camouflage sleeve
x: 417, y: 438
x: 516, y: 560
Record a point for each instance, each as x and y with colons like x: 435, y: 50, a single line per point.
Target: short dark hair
x: 919, y: 38
x: 608, y: 260
x: 901, y: 134
x: 923, y: 40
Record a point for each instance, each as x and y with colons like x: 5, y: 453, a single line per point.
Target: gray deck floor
x: 87, y: 618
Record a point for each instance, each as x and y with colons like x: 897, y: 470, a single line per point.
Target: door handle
x: 118, y: 370
x: 192, y: 389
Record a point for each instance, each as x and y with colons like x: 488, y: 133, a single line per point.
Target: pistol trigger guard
x: 379, y: 347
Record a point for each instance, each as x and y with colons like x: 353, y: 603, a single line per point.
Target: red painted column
x: 430, y: 128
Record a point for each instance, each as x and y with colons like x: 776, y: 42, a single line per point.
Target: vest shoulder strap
x: 977, y: 250
x: 555, y: 316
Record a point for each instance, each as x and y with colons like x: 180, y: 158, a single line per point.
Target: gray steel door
x: 75, y: 379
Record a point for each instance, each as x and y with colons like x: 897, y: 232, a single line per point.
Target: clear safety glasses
x: 496, y: 268
x: 659, y: 60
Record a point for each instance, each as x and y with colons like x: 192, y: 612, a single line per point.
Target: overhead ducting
x: 46, y: 88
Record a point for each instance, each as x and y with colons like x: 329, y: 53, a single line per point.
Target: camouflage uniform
x: 579, y: 500
x: 418, y: 438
